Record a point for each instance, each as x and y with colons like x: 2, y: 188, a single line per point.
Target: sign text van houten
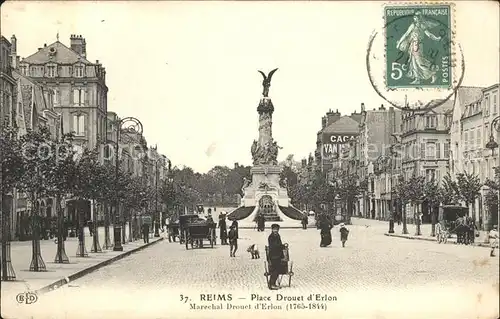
x: 331, y: 142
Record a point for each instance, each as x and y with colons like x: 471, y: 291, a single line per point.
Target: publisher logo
x: 27, y: 298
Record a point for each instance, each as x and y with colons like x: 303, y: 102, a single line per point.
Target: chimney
x: 382, y: 107
x: 78, y: 45
x: 14, y: 59
x: 362, y: 107
x: 45, y: 45
x: 332, y: 117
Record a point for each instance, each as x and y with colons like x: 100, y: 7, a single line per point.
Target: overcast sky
x: 188, y: 70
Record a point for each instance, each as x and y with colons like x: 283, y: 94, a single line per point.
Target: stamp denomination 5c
x: 418, y: 46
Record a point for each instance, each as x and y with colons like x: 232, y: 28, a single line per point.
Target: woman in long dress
x: 326, y: 231
x: 223, y: 229
x: 419, y: 67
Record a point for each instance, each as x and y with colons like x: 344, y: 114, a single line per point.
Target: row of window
x: 487, y: 103
x: 430, y: 122
x: 52, y: 71
x: 428, y: 151
x: 472, y: 138
x: 483, y: 168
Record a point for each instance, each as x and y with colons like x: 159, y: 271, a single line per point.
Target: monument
x: 264, y: 194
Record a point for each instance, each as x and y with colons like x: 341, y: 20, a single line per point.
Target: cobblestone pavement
x: 373, y: 276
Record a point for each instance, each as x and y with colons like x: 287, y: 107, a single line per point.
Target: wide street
x: 374, y: 275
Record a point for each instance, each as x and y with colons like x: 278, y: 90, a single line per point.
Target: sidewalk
x: 425, y: 230
x: 60, y: 274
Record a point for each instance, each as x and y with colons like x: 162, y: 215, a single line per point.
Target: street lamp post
x: 128, y: 125
x: 157, y: 213
x: 492, y: 145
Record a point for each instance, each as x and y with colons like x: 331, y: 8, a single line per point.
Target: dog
x: 254, y: 251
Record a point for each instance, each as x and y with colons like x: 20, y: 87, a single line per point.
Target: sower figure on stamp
x: 233, y: 241
x: 419, y: 67
x: 275, y: 256
x: 223, y: 229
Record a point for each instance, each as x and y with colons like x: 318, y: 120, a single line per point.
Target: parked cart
x: 285, y: 270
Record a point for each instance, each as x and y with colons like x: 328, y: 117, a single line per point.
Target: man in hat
x: 233, y: 241
x: 493, y: 236
x: 344, y: 233
x: 223, y: 228
x: 275, y: 256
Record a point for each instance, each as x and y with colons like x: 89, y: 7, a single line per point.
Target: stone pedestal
x: 265, y: 175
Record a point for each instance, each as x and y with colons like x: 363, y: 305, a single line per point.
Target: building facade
x: 377, y: 128
x: 336, y: 132
x: 79, y: 86
x: 475, y: 110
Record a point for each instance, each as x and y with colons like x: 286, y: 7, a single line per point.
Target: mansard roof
x: 469, y: 94
x: 63, y: 55
x: 32, y: 98
x: 345, y: 125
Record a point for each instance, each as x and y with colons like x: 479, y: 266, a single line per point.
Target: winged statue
x: 266, y: 84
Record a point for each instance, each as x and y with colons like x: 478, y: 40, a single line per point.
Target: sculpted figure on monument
x: 266, y: 84
x: 246, y: 183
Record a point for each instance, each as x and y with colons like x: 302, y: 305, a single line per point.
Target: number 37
x: 397, y: 70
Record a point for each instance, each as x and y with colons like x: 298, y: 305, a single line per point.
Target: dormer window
x: 79, y: 71
x: 51, y: 71
x: 24, y: 70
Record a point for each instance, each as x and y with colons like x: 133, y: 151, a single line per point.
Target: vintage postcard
x: 244, y: 159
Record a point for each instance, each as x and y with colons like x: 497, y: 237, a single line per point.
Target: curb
x: 86, y: 271
x: 478, y: 244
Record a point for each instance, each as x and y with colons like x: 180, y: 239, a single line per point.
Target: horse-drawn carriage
x: 283, y: 270
x: 453, y: 220
x: 173, y: 231
x: 194, y: 230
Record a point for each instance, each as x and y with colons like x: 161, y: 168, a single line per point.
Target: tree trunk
x: 349, y: 210
x: 474, y: 210
x: 37, y: 263
x: 433, y: 221
x: 403, y: 210
x: 61, y: 257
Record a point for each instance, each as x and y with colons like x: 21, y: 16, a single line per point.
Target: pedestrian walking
x: 145, y: 232
x: 305, y: 220
x: 90, y: 224
x: 261, y: 222
x: 223, y: 229
x: 235, y: 224
x: 326, y: 231
x: 493, y: 237
x: 275, y: 256
x: 344, y: 233
x: 233, y: 241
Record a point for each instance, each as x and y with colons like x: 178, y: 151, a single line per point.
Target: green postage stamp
x: 418, y: 45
